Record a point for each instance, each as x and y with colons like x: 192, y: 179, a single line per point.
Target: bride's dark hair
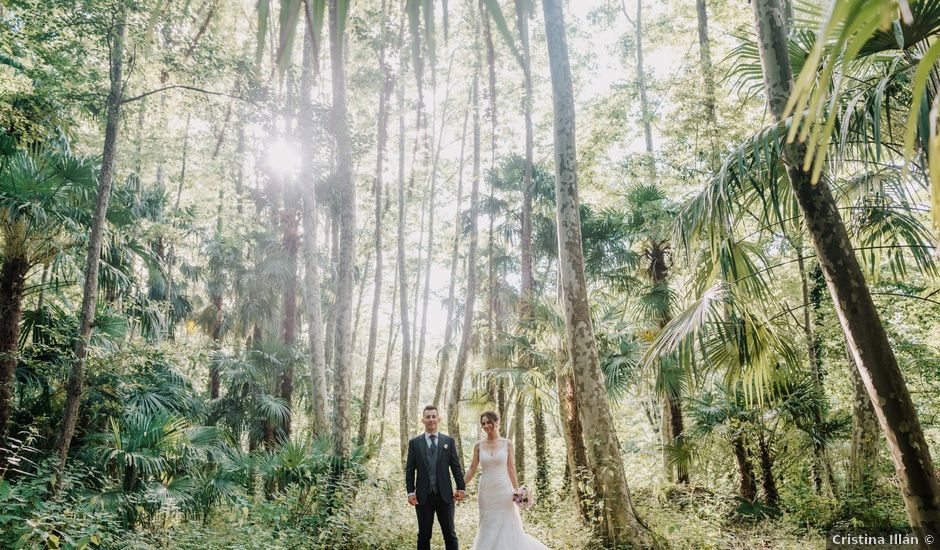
x: 491, y: 415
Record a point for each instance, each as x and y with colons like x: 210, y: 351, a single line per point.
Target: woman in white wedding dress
x: 500, y: 524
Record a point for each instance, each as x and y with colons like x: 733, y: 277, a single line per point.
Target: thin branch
x: 185, y: 87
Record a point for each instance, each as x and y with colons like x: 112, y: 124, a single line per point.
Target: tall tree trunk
x: 342, y: 366
x: 747, y: 485
x: 860, y: 322
x: 646, y: 114
x: 578, y: 467
x: 463, y: 354
x: 364, y: 276
x: 389, y: 351
x: 518, y: 437
x: 12, y: 281
x: 541, y: 447
x: 527, y: 287
x: 217, y: 299
x: 312, y: 296
x: 403, y: 410
x: 821, y: 465
x: 708, y: 83
x: 413, y: 389
x: 621, y: 525
x: 388, y: 85
x: 73, y: 395
x: 863, y: 460
x: 332, y: 232
x: 419, y: 365
x: 455, y: 255
x: 290, y: 241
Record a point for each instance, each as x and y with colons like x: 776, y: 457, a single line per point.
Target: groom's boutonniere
x: 445, y: 446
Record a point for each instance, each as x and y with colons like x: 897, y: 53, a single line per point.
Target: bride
x: 500, y: 525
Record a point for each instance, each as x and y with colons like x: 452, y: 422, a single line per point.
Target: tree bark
x: 708, y: 83
x: 388, y: 84
x: 771, y: 495
x: 863, y: 459
x: 579, y: 469
x: 390, y: 349
x: 646, y: 115
x: 747, y: 485
x: 403, y: 423
x: 312, y: 296
x: 518, y: 424
x: 864, y: 332
x: 541, y: 448
x: 342, y: 366
x: 621, y: 526
x: 73, y: 396
x: 12, y: 281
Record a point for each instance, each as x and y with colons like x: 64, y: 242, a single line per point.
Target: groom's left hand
x: 460, y: 495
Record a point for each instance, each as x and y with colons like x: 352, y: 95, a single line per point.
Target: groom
x: 430, y: 456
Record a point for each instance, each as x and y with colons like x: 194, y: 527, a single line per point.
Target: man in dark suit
x: 432, y: 458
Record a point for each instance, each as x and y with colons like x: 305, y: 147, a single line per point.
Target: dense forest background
x: 685, y: 249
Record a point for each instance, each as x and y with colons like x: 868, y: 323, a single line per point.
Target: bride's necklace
x: 493, y: 452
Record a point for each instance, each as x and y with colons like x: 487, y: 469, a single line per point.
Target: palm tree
x: 864, y: 331
x: 41, y: 196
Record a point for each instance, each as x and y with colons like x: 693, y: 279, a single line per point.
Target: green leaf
x: 496, y: 14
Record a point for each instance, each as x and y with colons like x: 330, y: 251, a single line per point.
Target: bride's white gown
x: 500, y: 524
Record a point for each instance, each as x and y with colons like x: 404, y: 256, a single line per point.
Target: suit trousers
x: 445, y: 518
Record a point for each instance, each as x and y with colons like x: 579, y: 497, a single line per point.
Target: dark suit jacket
x: 418, y: 481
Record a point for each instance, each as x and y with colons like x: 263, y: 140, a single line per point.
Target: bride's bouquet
x: 523, y: 497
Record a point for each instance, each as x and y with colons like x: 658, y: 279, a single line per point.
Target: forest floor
x: 381, y: 519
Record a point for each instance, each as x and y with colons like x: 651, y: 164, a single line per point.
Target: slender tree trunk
x: 863, y: 460
x: 463, y: 354
x: 646, y: 114
x: 621, y: 525
x: 389, y: 351
x: 541, y: 447
x: 217, y: 299
x: 455, y: 254
x: 12, y: 281
x: 821, y: 465
x: 419, y: 365
x: 403, y: 410
x: 747, y: 485
x: 518, y: 437
x: 388, y: 84
x: 312, y: 296
x: 347, y: 192
x: 361, y: 296
x: 525, y: 254
x: 866, y: 336
x: 73, y: 396
x: 290, y: 241
x: 332, y: 232
x: 413, y: 390
x: 708, y: 83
